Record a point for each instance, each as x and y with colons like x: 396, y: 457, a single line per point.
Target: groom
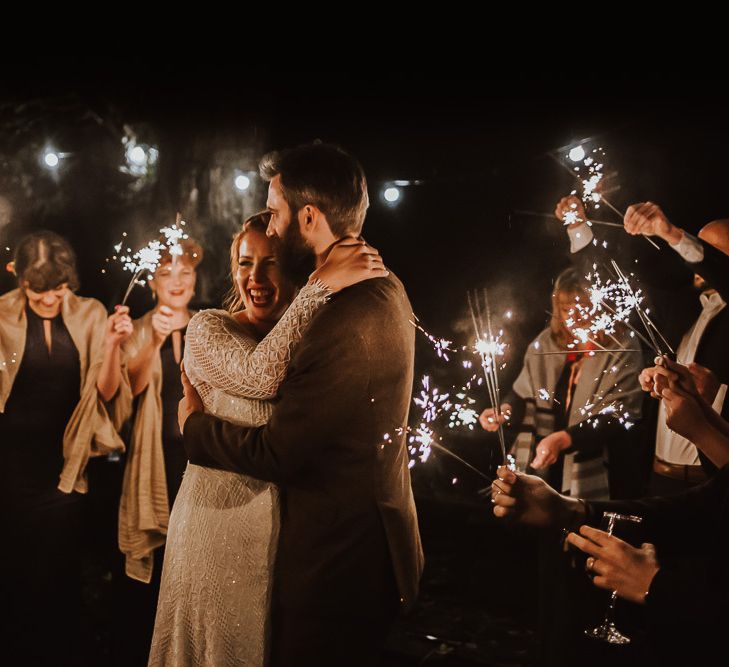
x: 349, y: 555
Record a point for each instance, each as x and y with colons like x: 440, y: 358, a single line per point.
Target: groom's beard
x: 296, y: 258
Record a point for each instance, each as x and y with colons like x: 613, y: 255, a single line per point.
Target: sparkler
x: 612, y: 302
x: 488, y: 348
x: 590, y: 182
x: 455, y: 404
x: 590, y: 353
x: 147, y: 258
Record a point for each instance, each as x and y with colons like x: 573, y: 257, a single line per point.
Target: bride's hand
x: 350, y: 261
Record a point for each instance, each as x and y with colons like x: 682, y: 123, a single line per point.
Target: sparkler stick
x: 589, y: 221
x: 440, y: 448
x: 587, y: 352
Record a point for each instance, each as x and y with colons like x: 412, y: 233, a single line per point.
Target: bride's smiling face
x: 264, y: 292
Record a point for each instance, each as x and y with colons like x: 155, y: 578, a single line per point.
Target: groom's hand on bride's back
x: 191, y: 401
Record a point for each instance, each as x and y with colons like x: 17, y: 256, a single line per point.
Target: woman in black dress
x: 59, y: 373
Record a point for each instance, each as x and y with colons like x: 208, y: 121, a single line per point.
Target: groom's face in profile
x: 296, y: 256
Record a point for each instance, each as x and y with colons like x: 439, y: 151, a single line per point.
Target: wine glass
x: 613, y: 524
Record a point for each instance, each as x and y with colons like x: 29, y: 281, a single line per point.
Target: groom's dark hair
x: 325, y: 176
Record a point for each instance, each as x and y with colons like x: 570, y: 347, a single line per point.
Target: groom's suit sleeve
x: 326, y: 385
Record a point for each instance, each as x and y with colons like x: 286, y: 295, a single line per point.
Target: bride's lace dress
x: 214, y: 599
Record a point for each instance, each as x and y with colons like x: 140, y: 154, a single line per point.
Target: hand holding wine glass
x: 625, y: 570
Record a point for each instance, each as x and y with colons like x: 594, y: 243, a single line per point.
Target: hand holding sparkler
x: 571, y: 211
x: 549, y: 449
x: 707, y: 384
x: 647, y: 380
x: 162, y: 324
x: 531, y: 501
x: 662, y: 376
x: 491, y: 422
x: 695, y: 379
x: 648, y: 219
x: 118, y: 326
x: 684, y: 413
x: 682, y: 389
x: 688, y: 416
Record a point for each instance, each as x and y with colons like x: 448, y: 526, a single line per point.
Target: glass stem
x: 611, y: 608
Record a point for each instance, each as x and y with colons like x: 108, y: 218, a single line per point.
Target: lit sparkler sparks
x: 421, y: 442
x: 147, y: 258
x: 441, y: 346
x: 456, y: 405
x: 423, y: 437
x: 589, y: 173
x: 650, y: 327
x: 611, y: 302
x: 612, y: 411
x: 431, y: 401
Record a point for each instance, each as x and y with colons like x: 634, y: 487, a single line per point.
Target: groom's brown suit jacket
x: 335, y: 446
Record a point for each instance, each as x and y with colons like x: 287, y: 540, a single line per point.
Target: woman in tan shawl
x: 156, y: 459
x: 59, y: 367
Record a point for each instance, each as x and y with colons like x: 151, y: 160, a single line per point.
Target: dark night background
x: 480, y: 148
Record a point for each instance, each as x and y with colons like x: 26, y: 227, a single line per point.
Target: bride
x: 223, y: 531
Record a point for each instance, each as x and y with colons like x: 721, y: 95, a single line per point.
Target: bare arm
x: 118, y: 328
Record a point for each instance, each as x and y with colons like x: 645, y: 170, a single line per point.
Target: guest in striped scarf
x: 568, y: 404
